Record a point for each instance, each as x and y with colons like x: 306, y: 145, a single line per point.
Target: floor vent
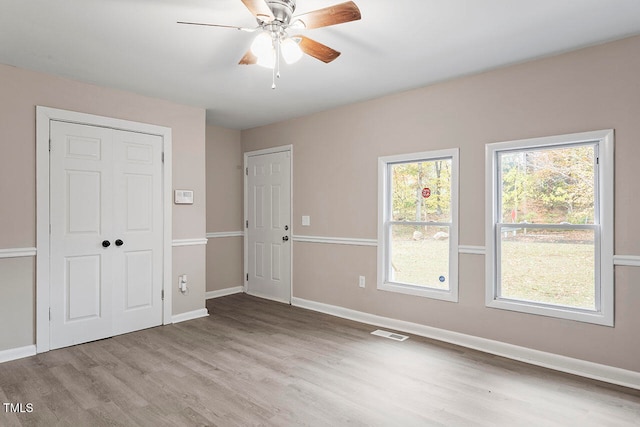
x: 390, y: 335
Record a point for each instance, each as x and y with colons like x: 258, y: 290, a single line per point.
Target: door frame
x: 44, y: 117
x: 273, y: 150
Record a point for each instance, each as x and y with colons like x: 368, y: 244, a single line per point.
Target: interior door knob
x: 106, y: 243
x: 285, y: 238
x: 119, y: 242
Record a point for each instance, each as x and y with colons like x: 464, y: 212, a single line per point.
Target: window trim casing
x: 383, y: 217
x: 604, y: 139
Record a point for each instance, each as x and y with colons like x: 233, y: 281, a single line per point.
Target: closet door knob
x: 106, y: 243
x: 119, y: 242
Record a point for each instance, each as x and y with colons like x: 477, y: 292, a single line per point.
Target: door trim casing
x: 44, y: 116
x: 280, y: 149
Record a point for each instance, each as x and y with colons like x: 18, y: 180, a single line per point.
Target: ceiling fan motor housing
x: 282, y: 9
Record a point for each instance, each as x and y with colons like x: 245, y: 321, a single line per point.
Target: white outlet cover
x: 306, y: 220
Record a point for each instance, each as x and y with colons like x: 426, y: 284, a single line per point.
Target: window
x: 550, y: 226
x: 418, y: 224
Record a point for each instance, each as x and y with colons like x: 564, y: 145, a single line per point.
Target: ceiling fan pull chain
x: 278, y: 55
x: 275, y: 63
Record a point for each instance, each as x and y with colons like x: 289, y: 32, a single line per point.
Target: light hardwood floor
x: 256, y: 362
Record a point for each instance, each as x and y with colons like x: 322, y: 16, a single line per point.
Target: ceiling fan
x: 275, y: 18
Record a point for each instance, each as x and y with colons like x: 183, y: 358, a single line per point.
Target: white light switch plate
x: 306, y: 220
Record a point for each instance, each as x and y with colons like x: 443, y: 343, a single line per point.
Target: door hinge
x: 247, y: 277
x: 163, y: 157
x: 162, y: 294
x: 597, y: 160
x: 246, y: 171
x: 49, y: 144
x: 246, y: 224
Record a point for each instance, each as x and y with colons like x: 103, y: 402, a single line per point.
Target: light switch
x: 306, y: 220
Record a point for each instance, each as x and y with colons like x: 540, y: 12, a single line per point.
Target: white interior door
x: 80, y: 204
x: 106, y: 233
x: 137, y: 231
x: 269, y: 226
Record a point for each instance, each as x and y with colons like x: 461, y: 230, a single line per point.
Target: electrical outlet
x: 182, y: 283
x: 361, y: 281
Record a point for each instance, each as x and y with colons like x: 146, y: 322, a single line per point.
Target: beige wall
x: 189, y: 260
x: 224, y: 208
x: 20, y: 92
x: 224, y: 180
x: 16, y: 292
x: 335, y: 182
x: 224, y: 263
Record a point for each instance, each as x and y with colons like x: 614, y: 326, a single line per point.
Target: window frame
x: 603, y: 221
x: 384, y: 220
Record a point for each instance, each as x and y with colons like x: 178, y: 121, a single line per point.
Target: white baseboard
x: 224, y: 292
x: 17, y: 353
x: 190, y: 315
x: 268, y: 297
x: 556, y: 362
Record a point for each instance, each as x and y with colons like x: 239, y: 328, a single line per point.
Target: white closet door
x: 137, y: 291
x: 106, y: 233
x: 81, y: 204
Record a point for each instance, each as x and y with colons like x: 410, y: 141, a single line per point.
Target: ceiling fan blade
x: 317, y: 50
x: 248, y: 59
x: 260, y: 9
x: 249, y: 30
x: 332, y: 15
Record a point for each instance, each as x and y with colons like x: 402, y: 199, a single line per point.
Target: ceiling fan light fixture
x: 267, y: 60
x: 262, y: 45
x: 291, y: 51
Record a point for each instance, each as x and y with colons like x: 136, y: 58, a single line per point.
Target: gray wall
x: 335, y: 182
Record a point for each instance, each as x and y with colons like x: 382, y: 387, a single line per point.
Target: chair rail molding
x: 221, y: 234
x: 336, y: 240
x: 188, y: 242
x: 17, y: 252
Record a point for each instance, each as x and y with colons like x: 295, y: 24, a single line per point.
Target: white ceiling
x: 136, y: 45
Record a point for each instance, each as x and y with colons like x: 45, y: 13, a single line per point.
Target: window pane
x: 420, y: 256
x: 548, y: 186
x: 421, y: 191
x: 548, y: 266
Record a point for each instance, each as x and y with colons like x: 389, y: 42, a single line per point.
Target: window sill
x: 424, y: 292
x: 598, y: 318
